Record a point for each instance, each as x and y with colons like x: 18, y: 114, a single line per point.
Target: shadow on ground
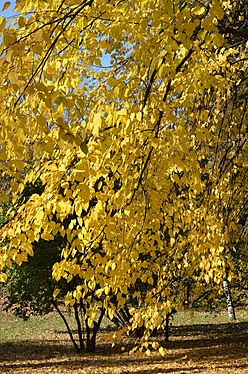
x: 191, y: 348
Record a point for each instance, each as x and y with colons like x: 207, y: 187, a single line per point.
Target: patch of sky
x: 9, y: 12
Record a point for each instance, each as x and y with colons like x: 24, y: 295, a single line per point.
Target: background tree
x: 31, y: 290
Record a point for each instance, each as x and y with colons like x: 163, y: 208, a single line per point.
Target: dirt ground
x: 201, y: 348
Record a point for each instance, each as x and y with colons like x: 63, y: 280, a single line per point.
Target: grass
x: 202, y: 317
x: 200, y: 343
x: 15, y: 329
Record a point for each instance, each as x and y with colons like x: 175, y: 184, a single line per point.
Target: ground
x: 203, y: 343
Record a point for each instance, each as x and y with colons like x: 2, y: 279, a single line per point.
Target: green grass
x: 191, y: 317
x: 15, y: 329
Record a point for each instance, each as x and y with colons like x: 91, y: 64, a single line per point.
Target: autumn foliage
x: 132, y: 116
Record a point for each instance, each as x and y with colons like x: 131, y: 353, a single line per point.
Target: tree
x: 31, y: 290
x: 132, y: 115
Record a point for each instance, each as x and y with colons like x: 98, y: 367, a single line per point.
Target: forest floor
x: 199, y: 343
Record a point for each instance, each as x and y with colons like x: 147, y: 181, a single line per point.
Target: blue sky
x: 9, y: 12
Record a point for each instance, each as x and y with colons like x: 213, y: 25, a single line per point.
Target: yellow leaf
x: 41, y: 120
x: 6, y: 5
x: 96, y: 124
x: 56, y: 292
x: 198, y: 10
x: 13, y: 77
x: 112, y: 81
x: 49, y: 147
x: 155, y: 345
x: 84, y: 148
x: 38, y: 36
x: 19, y: 164
x: 161, y: 351
x: 20, y: 257
x: 148, y: 352
x: 3, y: 277
x: 22, y: 237
x: 2, y: 24
x: 122, y: 112
x: 47, y: 236
x: 15, y: 241
x: 217, y: 9
x: 207, y: 278
x: 22, y: 22
x: 150, y: 280
x: 29, y: 249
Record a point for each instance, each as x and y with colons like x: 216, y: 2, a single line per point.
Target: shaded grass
x: 207, y: 346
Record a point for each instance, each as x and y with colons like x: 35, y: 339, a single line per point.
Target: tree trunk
x: 229, y: 303
x: 77, y: 349
x: 79, y: 327
x: 91, y: 335
x: 167, y: 319
x: 91, y: 342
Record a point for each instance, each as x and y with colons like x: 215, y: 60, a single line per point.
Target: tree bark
x: 229, y: 303
x: 167, y: 320
x: 91, y: 343
x: 77, y: 349
x: 79, y: 327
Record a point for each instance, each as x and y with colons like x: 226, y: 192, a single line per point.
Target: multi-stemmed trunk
x: 91, y: 333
